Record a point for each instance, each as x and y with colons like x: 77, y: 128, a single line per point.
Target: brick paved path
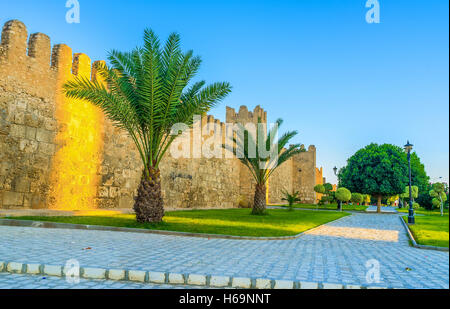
x: 335, y: 253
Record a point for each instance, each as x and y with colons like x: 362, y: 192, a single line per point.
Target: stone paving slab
x: 384, y: 209
x: 336, y: 253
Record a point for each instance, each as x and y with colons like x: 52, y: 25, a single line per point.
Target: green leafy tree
x: 325, y: 189
x: 291, y: 198
x: 357, y: 198
x: 405, y: 195
x: 418, y: 175
x: 414, y: 192
x: 366, y: 199
x: 378, y: 170
x: 439, y: 196
x: 319, y: 189
x: 343, y: 195
x: 391, y: 200
x: 262, y: 167
x: 328, y: 187
x: 145, y: 92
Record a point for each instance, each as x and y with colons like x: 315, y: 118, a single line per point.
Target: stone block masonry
x: 61, y: 153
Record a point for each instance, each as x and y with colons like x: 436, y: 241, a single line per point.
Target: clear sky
x: 341, y: 82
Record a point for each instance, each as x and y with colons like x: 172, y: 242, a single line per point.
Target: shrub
x: 328, y: 187
x: 343, y: 194
x: 425, y: 200
x: 357, y: 198
x: 416, y: 205
x: 319, y: 188
x: 439, y: 195
x: 290, y: 198
x: 436, y: 203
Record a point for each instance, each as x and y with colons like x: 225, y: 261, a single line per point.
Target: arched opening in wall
x: 75, y: 178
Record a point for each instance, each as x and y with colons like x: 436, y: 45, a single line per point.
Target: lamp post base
x: 411, y: 219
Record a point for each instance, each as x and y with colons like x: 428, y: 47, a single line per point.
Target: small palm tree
x: 291, y: 198
x: 146, y: 92
x: 262, y: 168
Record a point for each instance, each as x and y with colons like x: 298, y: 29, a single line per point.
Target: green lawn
x: 431, y: 230
x: 328, y: 207
x: 423, y: 211
x: 237, y: 222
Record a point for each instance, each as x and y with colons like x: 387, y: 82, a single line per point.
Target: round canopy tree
x: 319, y: 189
x: 439, y: 196
x: 342, y: 195
x: 357, y: 198
x: 378, y: 170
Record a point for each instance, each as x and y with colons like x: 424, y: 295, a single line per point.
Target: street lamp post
x: 411, y: 219
x: 335, y: 169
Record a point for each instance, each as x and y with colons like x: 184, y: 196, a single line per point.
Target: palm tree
x: 261, y: 168
x: 291, y: 198
x: 145, y: 92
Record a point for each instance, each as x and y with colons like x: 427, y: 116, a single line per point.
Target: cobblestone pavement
x: 17, y: 281
x: 335, y: 253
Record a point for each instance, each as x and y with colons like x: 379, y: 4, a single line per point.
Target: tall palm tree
x: 261, y: 168
x: 145, y: 92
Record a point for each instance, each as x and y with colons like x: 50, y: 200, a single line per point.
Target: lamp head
x: 335, y: 170
x: 408, y: 147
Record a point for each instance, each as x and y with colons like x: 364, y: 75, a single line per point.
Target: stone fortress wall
x: 60, y: 153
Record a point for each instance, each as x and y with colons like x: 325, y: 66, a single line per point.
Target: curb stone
x: 33, y: 269
x: 14, y: 268
x: 116, y: 274
x: 173, y: 278
x: 176, y: 278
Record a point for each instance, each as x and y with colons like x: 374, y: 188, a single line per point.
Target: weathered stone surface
x: 242, y: 283
x: 156, y: 277
x: 94, y: 273
x: 69, y: 146
x: 33, y: 269
x: 116, y: 274
x: 219, y: 281
x: 196, y: 279
x: 176, y: 278
x: 14, y: 267
x: 263, y: 284
x: 136, y: 275
x: 53, y: 270
x: 283, y: 284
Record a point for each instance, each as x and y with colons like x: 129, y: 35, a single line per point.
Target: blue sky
x: 341, y: 82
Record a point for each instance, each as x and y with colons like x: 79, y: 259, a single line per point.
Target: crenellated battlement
x: 31, y: 61
x: 244, y: 116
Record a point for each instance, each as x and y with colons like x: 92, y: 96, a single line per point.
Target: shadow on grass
x: 236, y: 222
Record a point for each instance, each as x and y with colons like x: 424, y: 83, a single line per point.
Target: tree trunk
x: 259, y: 202
x: 148, y: 204
x: 379, y: 204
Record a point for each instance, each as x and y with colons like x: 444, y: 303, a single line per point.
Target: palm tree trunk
x: 259, y: 202
x: 148, y: 204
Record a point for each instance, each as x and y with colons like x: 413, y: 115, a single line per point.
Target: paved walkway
x: 335, y: 253
x: 384, y: 209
